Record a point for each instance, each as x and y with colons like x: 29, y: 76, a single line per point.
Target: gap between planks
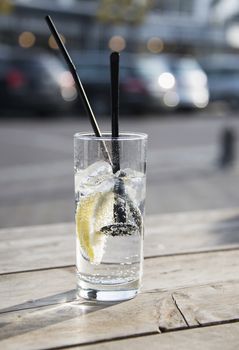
x: 55, y: 286
x: 148, y: 334
x: 143, y: 335
x: 197, y: 252
x: 133, y: 336
x: 219, y: 336
x: 65, y: 326
x: 52, y: 246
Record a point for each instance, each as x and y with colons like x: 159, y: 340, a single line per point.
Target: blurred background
x: 179, y: 82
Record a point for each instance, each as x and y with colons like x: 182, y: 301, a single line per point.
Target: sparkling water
x: 109, y: 231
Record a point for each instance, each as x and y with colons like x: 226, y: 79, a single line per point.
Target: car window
x: 150, y: 68
x: 223, y: 73
x: 26, y: 65
x: 40, y: 68
x: 93, y: 72
x: 184, y: 65
x: 33, y: 69
x: 100, y: 73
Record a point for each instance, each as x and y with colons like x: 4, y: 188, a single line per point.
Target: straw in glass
x: 119, y: 189
x: 114, y: 70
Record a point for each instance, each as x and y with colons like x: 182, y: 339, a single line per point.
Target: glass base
x: 106, y: 293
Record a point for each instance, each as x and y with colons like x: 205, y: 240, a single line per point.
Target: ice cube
x: 95, y: 175
x: 134, y: 184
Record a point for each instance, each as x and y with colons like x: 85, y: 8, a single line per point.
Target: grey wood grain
x: 192, y: 231
x: 38, y: 309
x: 150, y: 313
x: 38, y: 247
x: 209, y: 304
x: 39, y: 288
x: 221, y: 337
x: 195, y: 217
x: 49, y: 246
x: 170, y: 272
x: 74, y: 323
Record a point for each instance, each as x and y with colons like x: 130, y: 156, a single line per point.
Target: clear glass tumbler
x: 110, y: 200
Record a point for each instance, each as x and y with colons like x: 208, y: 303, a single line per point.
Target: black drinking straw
x: 119, y: 206
x: 78, y: 83
x: 114, y: 70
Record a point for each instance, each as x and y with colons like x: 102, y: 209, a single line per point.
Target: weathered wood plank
x: 37, y: 288
x: 81, y: 323
x: 221, y: 337
x: 209, y: 304
x: 180, y: 291
x: 74, y: 323
x: 172, y: 272
x: 36, y: 247
x: 47, y: 246
x: 204, y: 305
x: 195, y: 217
x: 184, y: 237
x: 192, y: 231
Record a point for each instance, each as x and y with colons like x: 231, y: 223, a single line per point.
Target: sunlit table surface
x: 189, y: 298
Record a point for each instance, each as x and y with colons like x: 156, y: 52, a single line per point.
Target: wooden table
x: 189, y: 299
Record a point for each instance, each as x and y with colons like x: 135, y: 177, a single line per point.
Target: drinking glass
x: 110, y: 176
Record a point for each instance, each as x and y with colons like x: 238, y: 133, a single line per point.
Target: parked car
x: 191, y: 84
x: 34, y: 81
x: 94, y: 71
x: 136, y: 79
x: 147, y: 82
x: 223, y: 77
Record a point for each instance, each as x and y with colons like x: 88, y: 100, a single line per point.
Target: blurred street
x: 36, y: 165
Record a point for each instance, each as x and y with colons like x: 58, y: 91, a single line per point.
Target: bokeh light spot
x: 26, y: 39
x: 232, y: 35
x: 117, y: 43
x: 155, y: 45
x: 166, y: 80
x: 171, y: 99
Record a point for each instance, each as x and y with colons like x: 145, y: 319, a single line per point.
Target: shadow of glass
x: 28, y: 320
x: 49, y: 300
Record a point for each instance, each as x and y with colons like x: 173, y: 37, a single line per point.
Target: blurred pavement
x: 36, y: 166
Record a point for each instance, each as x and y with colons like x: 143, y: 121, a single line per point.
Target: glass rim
x: 107, y: 136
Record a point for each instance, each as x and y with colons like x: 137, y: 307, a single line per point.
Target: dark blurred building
x: 184, y: 24
x: 154, y: 25
x: 19, y: 16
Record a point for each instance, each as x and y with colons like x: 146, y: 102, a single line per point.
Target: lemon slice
x: 94, y: 212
